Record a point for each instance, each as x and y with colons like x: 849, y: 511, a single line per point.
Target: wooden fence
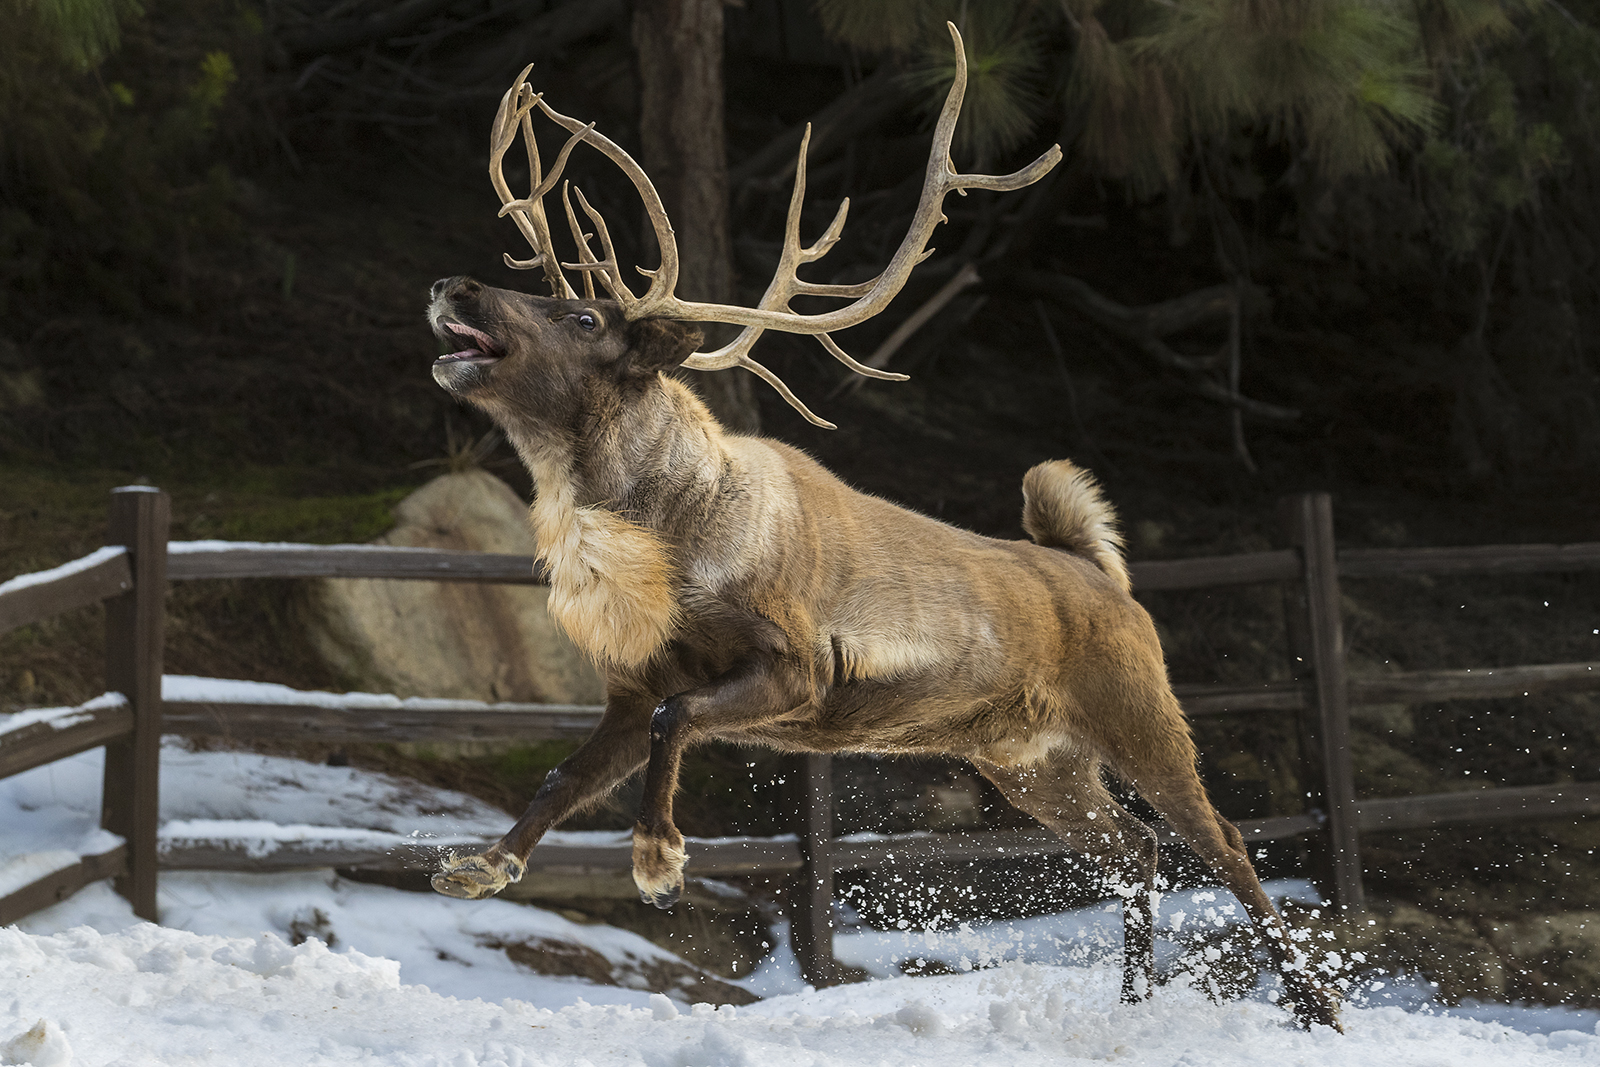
x: 130, y: 577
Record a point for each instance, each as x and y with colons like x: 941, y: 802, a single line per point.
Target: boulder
x: 460, y: 640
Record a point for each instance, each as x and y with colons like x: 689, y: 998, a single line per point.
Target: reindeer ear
x: 661, y: 344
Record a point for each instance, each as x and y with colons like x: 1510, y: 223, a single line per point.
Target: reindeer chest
x: 612, y: 582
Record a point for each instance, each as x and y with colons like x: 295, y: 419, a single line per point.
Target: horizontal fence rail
x: 1203, y: 571
x: 33, y: 598
x: 60, y: 884
x: 467, y: 720
x: 193, y: 560
x: 1471, y: 559
x: 1402, y: 687
x: 717, y: 858
x: 62, y: 732
x: 1507, y: 804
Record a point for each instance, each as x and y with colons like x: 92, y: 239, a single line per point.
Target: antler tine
x: 535, y: 198
x: 513, y: 112
x: 830, y: 236
x: 786, y: 285
x: 658, y: 300
x: 860, y: 368
x: 610, y: 273
x: 797, y: 200
x: 793, y: 255
x: 784, y: 391
x: 581, y: 239
x: 784, y: 280
x: 941, y: 178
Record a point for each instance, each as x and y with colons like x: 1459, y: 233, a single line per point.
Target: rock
x: 457, y: 640
x: 1553, y: 957
x: 663, y: 974
x: 715, y: 928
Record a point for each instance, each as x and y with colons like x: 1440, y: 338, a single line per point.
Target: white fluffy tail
x: 1062, y: 508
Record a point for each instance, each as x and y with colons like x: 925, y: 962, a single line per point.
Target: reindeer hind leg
x: 1166, y: 777
x: 1065, y: 794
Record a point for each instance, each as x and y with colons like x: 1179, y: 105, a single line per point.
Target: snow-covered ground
x: 404, y: 978
x: 156, y: 995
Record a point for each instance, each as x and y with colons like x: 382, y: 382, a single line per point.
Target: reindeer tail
x: 1062, y: 508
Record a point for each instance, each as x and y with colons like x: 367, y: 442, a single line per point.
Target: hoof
x: 1314, y: 1006
x: 1135, y: 987
x: 658, y: 864
x: 475, y: 877
x: 663, y: 899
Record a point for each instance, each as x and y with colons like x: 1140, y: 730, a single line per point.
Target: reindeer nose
x: 459, y: 285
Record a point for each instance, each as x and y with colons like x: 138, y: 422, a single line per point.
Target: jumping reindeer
x: 732, y: 589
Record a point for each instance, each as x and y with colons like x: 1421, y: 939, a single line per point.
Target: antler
x: 515, y: 110
x: 773, y: 311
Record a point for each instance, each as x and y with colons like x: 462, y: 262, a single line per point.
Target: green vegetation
x: 110, y: 119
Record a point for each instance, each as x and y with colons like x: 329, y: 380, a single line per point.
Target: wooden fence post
x: 1319, y: 642
x: 811, y: 893
x: 135, y: 628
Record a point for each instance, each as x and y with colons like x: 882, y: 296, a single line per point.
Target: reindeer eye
x: 586, y: 320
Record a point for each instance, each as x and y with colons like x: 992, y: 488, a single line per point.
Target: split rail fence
x: 130, y: 577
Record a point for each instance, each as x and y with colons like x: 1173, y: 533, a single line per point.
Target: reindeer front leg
x: 616, y: 749
x: 760, y: 688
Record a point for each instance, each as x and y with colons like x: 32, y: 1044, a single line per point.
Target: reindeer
x: 734, y: 590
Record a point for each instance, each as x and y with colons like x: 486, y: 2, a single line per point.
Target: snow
x: 1084, y: 935
x: 447, y: 945
x: 390, y: 977
x: 93, y: 559
x: 145, y: 994
x: 43, y: 1046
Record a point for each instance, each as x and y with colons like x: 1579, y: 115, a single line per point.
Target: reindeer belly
x: 923, y: 714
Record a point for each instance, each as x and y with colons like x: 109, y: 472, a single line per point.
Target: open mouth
x: 482, y: 347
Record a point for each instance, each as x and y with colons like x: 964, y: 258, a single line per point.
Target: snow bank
x: 456, y: 948
x: 150, y: 995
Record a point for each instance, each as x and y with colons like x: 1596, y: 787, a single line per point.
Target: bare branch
x: 965, y: 278
x: 1145, y: 326
x: 319, y: 38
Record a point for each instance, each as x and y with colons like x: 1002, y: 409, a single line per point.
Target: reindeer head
x: 548, y: 360
x: 473, y: 312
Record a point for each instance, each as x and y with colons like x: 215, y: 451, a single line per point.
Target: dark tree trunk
x: 679, y: 44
